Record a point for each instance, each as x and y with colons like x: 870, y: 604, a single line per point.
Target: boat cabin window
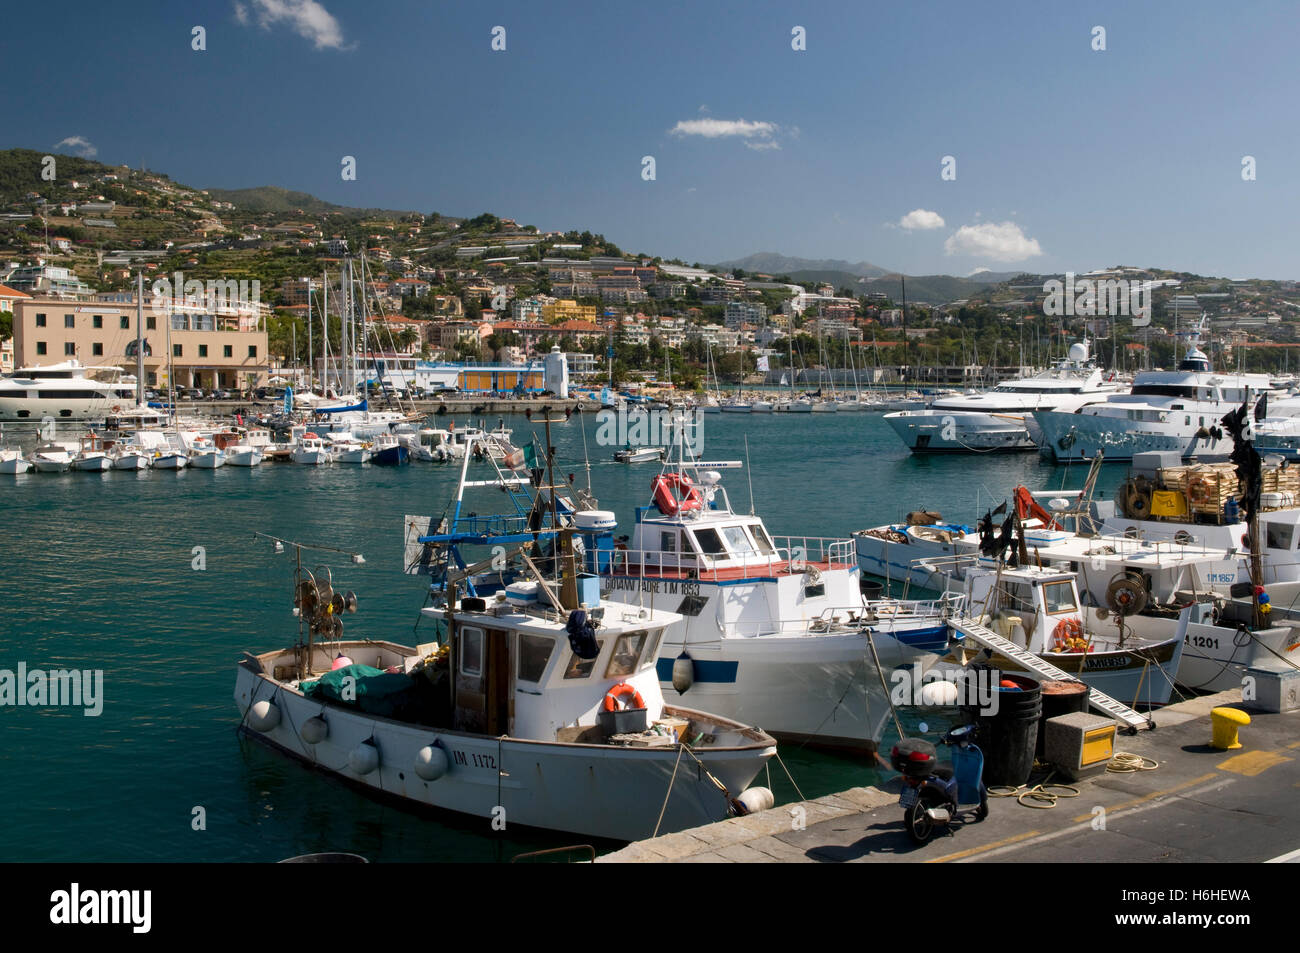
x: 1059, y: 597
x: 471, y: 651
x: 626, y: 655
x: 534, y: 653
x: 1279, y: 535
x: 668, y: 541
x: 737, y: 539
x: 709, y: 542
x: 692, y: 605
x: 765, y: 544
x: 581, y: 667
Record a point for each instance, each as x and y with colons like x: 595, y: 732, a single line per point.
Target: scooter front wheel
x: 920, y: 826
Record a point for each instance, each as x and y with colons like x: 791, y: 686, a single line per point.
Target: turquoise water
x: 101, y: 576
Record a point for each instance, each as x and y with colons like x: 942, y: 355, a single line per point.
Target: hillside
x: 271, y: 199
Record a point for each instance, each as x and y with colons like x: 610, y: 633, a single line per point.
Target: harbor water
x: 156, y: 578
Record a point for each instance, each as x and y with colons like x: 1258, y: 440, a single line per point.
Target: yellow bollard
x: 1224, y: 723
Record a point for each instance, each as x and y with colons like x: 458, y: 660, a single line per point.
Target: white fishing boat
x: 775, y: 629
x: 204, y: 454
x: 244, y: 455
x: 309, y: 449
x: 640, y: 454
x: 92, y: 457
x: 537, y: 705
x: 998, y: 420
x: 760, y: 407
x: 1039, y: 611
x: 172, y: 455
x: 128, y: 455
x: 427, y: 445
x: 346, y: 449
x: 12, y: 462
x: 53, y: 457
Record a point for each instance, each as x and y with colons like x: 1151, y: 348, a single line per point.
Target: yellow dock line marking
x: 1122, y: 805
x: 1253, y: 763
x: 979, y: 850
x: 1294, y: 744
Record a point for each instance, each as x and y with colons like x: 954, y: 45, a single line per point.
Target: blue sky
x: 1066, y: 157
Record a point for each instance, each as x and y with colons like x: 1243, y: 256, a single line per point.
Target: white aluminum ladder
x: 986, y: 637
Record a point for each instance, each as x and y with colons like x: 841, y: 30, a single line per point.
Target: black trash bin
x: 871, y: 589
x: 1059, y: 698
x: 1009, y: 736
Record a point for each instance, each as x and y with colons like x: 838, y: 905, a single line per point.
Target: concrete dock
x: 1201, y: 805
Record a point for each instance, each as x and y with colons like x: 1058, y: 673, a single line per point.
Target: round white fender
x: 364, y: 757
x: 314, y: 730
x: 756, y: 799
x: 264, y: 715
x: 431, y: 762
x: 939, y: 693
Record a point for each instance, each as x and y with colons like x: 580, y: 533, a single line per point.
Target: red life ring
x: 1066, y: 630
x: 620, y: 690
x: 674, y: 493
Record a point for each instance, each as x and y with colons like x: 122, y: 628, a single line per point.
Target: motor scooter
x: 934, y: 793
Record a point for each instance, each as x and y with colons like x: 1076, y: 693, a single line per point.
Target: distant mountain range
x: 862, y: 277
x: 772, y: 263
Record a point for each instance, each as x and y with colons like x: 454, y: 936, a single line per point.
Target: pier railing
x: 885, y: 614
x: 800, y: 554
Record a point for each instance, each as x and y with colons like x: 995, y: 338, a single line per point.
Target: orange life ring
x: 674, y: 493
x: 1198, y: 490
x: 117, y: 408
x: 619, y: 691
x: 1066, y: 630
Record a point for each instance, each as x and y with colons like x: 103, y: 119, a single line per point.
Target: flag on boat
x: 762, y: 363
x: 288, y: 400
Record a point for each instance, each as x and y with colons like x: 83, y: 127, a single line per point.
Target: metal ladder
x: 991, y: 640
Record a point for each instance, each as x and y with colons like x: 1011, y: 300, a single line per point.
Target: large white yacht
x: 64, y: 391
x: 998, y: 419
x: 1167, y: 410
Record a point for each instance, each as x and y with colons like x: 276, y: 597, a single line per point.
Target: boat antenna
x: 749, y: 475
x: 585, y: 457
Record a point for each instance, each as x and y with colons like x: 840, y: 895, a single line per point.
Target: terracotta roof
x: 7, y: 292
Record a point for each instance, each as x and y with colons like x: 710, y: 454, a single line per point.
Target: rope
x: 1038, y: 793
x: 681, y: 746
x: 1125, y: 763
x: 789, y: 775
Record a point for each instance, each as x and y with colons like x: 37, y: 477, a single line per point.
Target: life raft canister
x: 674, y: 493
x: 619, y: 691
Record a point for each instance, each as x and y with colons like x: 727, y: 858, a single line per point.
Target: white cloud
x: 978, y: 271
x: 79, y: 145
x: 1005, y: 242
x: 308, y: 19
x: 921, y: 220
x: 756, y: 135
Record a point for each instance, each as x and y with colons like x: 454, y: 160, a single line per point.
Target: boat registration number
x: 1203, y: 641
x: 477, y: 760
x: 908, y: 797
